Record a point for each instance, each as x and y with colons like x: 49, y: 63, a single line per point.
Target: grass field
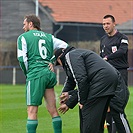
x: 13, y: 112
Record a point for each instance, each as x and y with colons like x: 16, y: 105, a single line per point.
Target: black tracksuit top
x: 115, y: 48
x: 93, y: 76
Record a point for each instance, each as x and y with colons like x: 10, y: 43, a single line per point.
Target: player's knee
x: 32, y: 113
x: 52, y: 112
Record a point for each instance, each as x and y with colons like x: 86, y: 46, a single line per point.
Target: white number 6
x: 42, y: 49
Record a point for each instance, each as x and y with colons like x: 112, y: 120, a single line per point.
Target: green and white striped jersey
x: 35, y: 50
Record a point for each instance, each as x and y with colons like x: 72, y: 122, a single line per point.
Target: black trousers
x: 121, y: 121
x: 110, y: 123
x: 93, y: 114
x: 124, y: 74
x: 109, y: 119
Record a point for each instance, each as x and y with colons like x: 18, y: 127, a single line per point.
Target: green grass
x: 13, y: 112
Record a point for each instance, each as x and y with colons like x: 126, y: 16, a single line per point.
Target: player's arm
x: 69, y: 98
x: 71, y: 101
x: 79, y: 72
x: 69, y: 84
x: 59, y: 43
x: 22, y: 53
x: 120, y: 51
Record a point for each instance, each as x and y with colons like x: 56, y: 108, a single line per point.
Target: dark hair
x: 34, y: 19
x: 109, y: 16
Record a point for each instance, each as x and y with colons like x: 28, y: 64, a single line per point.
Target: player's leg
x: 124, y: 74
x: 121, y: 121
x: 104, y: 115
x: 32, y: 107
x: 51, y: 107
x: 113, y: 126
x: 34, y: 95
x: 81, y: 120
x: 110, y: 123
x: 93, y: 115
x: 32, y: 121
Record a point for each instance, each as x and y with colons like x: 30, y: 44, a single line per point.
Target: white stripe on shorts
x: 28, y: 93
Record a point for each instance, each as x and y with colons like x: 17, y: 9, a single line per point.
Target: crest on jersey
x: 114, y: 49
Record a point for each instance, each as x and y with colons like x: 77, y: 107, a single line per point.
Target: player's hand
x: 63, y: 108
x: 51, y: 67
x: 64, y: 97
x: 108, y: 109
x: 80, y: 105
x: 105, y: 58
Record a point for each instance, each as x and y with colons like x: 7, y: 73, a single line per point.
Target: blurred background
x: 78, y: 22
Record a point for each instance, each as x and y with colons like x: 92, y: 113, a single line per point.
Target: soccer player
x: 96, y: 81
x: 35, y: 50
x: 114, y: 49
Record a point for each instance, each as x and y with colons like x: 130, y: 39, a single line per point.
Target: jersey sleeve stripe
x: 22, y: 53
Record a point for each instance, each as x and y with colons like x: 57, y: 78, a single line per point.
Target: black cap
x: 58, y: 52
x: 62, y: 51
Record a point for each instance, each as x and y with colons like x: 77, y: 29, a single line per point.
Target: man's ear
x: 114, y: 24
x: 59, y: 61
x: 56, y: 63
x: 31, y: 25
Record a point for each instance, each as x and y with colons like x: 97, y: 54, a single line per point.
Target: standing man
x: 96, y: 81
x: 114, y: 49
x: 34, y: 51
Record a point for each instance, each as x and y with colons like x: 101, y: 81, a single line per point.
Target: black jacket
x: 115, y: 48
x: 73, y: 99
x: 118, y: 102
x: 93, y: 76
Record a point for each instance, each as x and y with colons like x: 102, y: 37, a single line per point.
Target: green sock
x: 31, y: 126
x: 57, y: 124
